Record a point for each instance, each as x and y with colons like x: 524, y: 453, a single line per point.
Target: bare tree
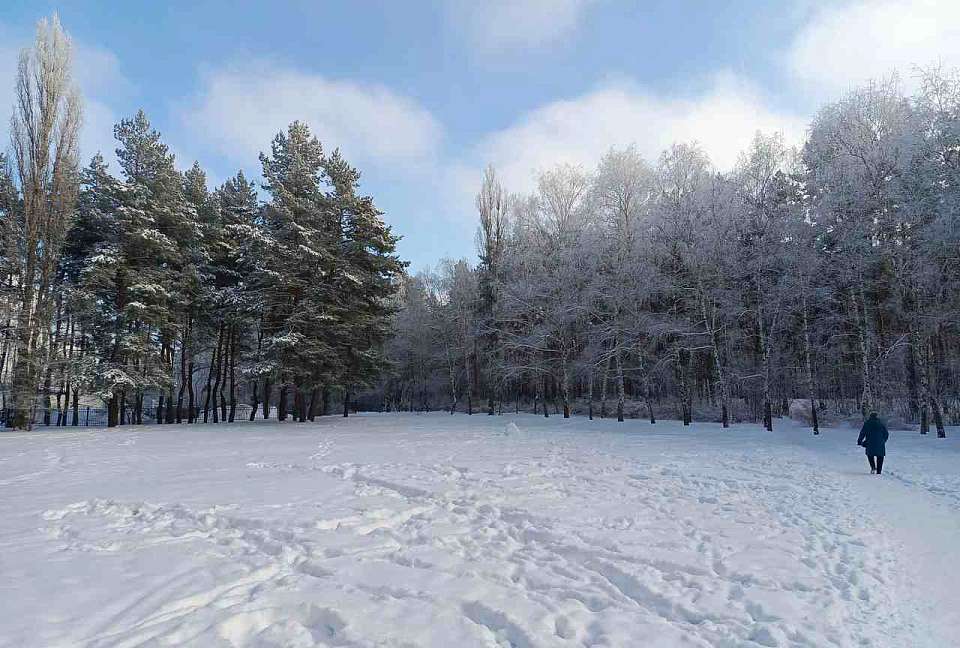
x: 44, y: 130
x: 623, y: 192
x: 761, y: 172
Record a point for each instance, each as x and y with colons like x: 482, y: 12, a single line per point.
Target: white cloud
x: 723, y: 119
x: 499, y: 25
x: 238, y: 112
x: 843, y: 46
x: 97, y: 73
x: 97, y: 70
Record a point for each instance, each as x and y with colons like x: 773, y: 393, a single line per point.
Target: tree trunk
x: 184, y: 352
x: 860, y: 317
x: 313, y: 403
x: 722, y: 387
x: 683, y: 360
x: 113, y: 411
x: 76, y: 407
x: 603, y: 388
x: 23, y: 387
x: 282, y: 403
x: 470, y: 376
x: 538, y: 396
x: 217, y: 361
x: 191, y: 404
x: 160, y: 402
x: 621, y: 396
x: 222, y: 374
x: 346, y: 403
x: 208, y: 389
x: 938, y: 418
x: 452, y: 377
x: 590, y: 395
x: 46, y: 395
x: 59, y: 406
x: 646, y: 392
x: 138, y: 407
x: 808, y: 363
x: 266, y: 399
x: 647, y: 400
x: 934, y: 401
x: 254, y: 402
x: 171, y: 408
x: 233, y: 375
x: 913, y: 381
x: 301, y: 405
x: 765, y: 358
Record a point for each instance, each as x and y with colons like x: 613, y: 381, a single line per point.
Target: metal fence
x: 87, y: 416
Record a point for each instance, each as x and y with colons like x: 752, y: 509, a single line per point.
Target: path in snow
x: 432, y: 530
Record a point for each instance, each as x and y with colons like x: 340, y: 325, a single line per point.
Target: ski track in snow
x: 404, y: 530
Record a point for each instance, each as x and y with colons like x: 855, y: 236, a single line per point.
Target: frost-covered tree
x: 825, y: 275
x: 492, y: 207
x: 44, y: 131
x: 625, y: 279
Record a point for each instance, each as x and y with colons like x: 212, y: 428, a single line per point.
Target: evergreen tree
x: 363, y: 275
x: 297, y: 247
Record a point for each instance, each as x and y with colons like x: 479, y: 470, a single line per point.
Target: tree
x: 365, y: 274
x: 327, y: 272
x: 828, y: 275
x: 44, y: 130
x: 293, y: 287
x: 760, y: 221
x: 492, y: 206
x: 624, y: 193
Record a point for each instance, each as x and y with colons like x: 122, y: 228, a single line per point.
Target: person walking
x: 873, y: 437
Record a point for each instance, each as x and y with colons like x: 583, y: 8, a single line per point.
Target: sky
x: 422, y: 95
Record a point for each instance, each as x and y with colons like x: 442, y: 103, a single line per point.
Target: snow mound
x: 511, y: 429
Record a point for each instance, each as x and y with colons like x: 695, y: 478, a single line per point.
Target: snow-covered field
x: 432, y: 530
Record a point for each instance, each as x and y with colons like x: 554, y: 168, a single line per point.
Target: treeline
x: 160, y: 297
x: 825, y: 277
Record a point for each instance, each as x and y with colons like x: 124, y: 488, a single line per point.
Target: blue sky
x: 421, y: 95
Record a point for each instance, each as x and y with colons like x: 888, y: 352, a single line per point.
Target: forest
x: 157, y: 299
x: 822, y: 276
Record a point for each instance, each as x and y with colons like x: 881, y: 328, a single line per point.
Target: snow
x: 439, y: 530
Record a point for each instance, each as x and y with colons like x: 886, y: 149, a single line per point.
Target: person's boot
x: 873, y: 471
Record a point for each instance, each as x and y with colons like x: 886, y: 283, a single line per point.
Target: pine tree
x: 293, y: 290
x: 363, y: 276
x: 233, y: 261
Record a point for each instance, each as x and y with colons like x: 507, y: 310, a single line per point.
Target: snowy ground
x: 432, y: 530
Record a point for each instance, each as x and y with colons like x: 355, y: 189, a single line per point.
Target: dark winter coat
x: 873, y: 436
